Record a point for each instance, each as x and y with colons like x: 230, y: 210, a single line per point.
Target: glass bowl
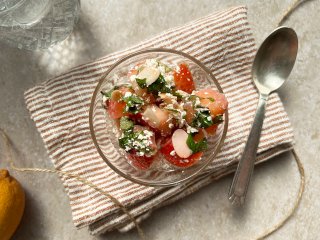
x: 104, y: 132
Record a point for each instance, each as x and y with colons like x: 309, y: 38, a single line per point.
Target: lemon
x: 12, y: 201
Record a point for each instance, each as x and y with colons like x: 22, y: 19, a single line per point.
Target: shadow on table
x: 79, y: 48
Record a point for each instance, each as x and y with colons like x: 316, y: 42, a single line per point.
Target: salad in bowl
x: 158, y: 117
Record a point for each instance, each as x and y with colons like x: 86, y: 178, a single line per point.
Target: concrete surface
x: 107, y: 26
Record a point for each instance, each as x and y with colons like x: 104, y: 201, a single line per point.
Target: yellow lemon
x: 12, y: 201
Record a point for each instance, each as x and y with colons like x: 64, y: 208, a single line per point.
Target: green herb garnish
x: 196, y: 147
x: 141, y: 82
x: 108, y: 94
x: 202, y: 119
x: 125, y: 141
x: 211, y: 99
x: 178, y: 95
x: 217, y: 119
x: 159, y: 86
x: 126, y: 123
x: 133, y: 103
x: 137, y: 141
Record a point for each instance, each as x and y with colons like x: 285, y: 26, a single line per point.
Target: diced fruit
x: 189, y: 112
x: 183, y: 79
x: 116, y: 95
x: 179, y: 142
x: 212, y: 130
x: 115, y: 106
x: 141, y: 162
x: 125, y: 89
x: 199, y: 136
x: 169, y: 154
x: 151, y: 74
x: 215, y: 101
x: 157, y: 118
x: 116, y: 109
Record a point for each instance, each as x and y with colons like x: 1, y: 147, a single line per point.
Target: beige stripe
x: 133, y: 195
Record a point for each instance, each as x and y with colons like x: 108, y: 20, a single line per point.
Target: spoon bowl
x: 271, y: 67
x: 275, y: 60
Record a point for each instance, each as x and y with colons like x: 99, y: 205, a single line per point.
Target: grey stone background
x: 106, y: 26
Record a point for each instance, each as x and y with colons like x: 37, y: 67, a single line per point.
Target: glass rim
x: 96, y: 91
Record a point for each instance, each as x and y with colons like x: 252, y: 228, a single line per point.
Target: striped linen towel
x: 59, y: 107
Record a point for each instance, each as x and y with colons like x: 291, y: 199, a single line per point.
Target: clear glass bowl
x: 104, y: 132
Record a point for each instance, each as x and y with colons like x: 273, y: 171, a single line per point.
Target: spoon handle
x: 241, y: 180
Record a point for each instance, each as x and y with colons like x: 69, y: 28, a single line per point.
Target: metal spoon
x: 271, y: 67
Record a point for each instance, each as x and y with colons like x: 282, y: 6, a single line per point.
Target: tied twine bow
x: 10, y: 159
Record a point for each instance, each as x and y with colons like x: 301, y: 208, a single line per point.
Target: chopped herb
x: 167, y: 69
x: 196, y: 147
x: 202, y: 119
x: 136, y: 141
x: 211, y: 99
x: 172, y: 109
x: 193, y: 97
x: 108, y: 94
x: 159, y: 86
x: 141, y: 82
x: 217, y: 119
x: 126, y: 123
x: 178, y: 95
x: 133, y: 103
x: 125, y: 141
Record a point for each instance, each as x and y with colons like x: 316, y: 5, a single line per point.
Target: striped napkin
x: 60, y: 106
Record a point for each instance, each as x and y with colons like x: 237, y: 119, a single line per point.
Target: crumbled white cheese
x: 152, y: 63
x: 191, y: 129
x: 202, y: 109
x: 182, y: 93
x: 127, y: 94
x: 104, y: 99
x: 133, y: 77
x: 171, y: 125
x: 127, y: 148
x: 162, y: 69
x: 173, y: 152
x: 140, y: 153
x: 148, y: 133
x: 197, y: 102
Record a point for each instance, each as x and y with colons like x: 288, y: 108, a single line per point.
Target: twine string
x: 296, y: 4
x: 9, y: 156
x: 296, y: 203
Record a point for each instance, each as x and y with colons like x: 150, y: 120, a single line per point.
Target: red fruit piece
x: 167, y: 149
x: 212, y: 130
x: 116, y: 109
x: 183, y: 79
x: 215, y: 101
x: 141, y: 162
